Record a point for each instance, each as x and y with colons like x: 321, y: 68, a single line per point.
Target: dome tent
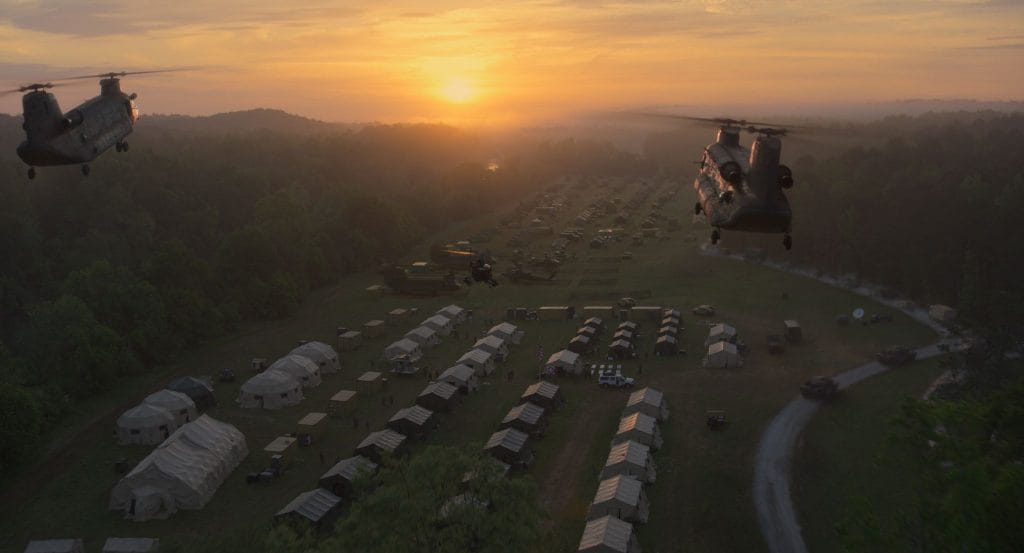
x: 145, y: 424
x: 177, y: 404
x: 270, y: 390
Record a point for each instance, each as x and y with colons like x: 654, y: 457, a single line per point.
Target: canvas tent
x: 666, y: 345
x: 373, y: 329
x: 453, y: 312
x: 595, y: 323
x: 440, y: 397
x: 671, y: 313
x: 270, y: 390
x: 628, y: 325
x: 378, y: 442
x: 588, y: 331
x: 396, y: 315
x: 301, y: 368
x: 669, y: 330
x: 176, y: 403
x: 510, y: 446
x: 543, y: 393
x: 199, y: 391
x: 793, y: 332
x: 622, y: 497
x: 370, y: 383
x: 55, y: 546
x: 182, y: 473
x: 350, y: 340
x: 342, y: 403
x: 621, y: 349
x: 639, y: 428
x: 581, y: 345
x: 145, y: 424
x: 507, y: 331
x: 414, y: 422
x: 462, y: 377
x: 131, y: 545
x: 493, y: 345
x: 632, y: 459
x: 339, y: 478
x: 624, y: 334
x: 479, y: 360
x: 526, y: 417
x: 720, y: 333
x: 441, y: 324
x: 565, y: 362
x: 321, y: 354
x: 608, y: 534
x: 406, y: 347
x: 425, y: 336
x: 318, y: 507
x: 648, y: 401
x: 723, y: 355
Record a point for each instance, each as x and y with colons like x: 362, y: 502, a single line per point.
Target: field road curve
x: 775, y: 513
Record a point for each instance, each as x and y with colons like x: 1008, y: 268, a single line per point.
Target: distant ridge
x: 260, y: 119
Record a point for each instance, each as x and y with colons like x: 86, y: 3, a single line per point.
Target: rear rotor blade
x: 126, y: 73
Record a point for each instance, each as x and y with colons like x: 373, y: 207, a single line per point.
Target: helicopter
x: 83, y: 133
x: 742, y: 189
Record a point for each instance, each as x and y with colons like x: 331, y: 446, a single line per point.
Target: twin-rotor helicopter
x: 80, y: 135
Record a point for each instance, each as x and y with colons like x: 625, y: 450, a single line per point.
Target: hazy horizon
x: 494, y: 64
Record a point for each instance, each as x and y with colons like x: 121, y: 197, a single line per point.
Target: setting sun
x: 458, y: 91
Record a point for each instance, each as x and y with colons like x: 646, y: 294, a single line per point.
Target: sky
x: 514, y: 62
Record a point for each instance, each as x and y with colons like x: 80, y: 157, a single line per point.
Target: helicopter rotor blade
x: 126, y: 73
x: 28, y: 87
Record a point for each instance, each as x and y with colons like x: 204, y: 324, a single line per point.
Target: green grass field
x: 846, y: 457
x: 702, y: 499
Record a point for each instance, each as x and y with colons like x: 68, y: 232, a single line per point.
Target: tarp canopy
x: 320, y: 353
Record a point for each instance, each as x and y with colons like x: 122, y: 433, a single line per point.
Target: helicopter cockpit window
x: 133, y: 110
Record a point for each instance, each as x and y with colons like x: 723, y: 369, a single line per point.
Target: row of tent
x: 323, y: 504
x: 620, y: 501
x: 282, y: 383
x: 723, y: 352
x: 183, y: 472
x: 112, y: 545
x: 623, y: 342
x: 510, y: 444
x: 667, y: 342
x: 587, y: 336
x: 428, y: 334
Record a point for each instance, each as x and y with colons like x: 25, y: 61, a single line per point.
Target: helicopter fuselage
x: 740, y: 189
x: 81, y: 134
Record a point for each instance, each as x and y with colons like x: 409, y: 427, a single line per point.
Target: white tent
x: 564, y: 361
x: 131, y: 545
x: 479, y: 360
x: 320, y: 353
x: 723, y: 355
x: 145, y: 424
x: 425, y: 336
x: 506, y: 331
x: 494, y: 345
x: 176, y: 403
x: 441, y: 324
x: 55, y: 546
x: 462, y: 377
x: 270, y: 390
x: 720, y: 333
x: 300, y: 367
x: 182, y: 473
x: 405, y: 346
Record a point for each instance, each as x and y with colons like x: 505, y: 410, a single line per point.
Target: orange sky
x: 497, y: 62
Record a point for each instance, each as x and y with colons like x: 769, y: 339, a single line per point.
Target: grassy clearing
x: 846, y: 456
x: 702, y: 499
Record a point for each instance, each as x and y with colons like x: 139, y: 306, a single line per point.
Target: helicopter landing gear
x: 85, y: 169
x: 697, y: 208
x: 31, y: 173
x: 787, y: 242
x: 715, y: 236
x: 121, y: 146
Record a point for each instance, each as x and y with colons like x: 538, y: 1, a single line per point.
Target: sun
x: 458, y: 90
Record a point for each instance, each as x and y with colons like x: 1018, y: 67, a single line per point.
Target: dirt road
x: 774, y: 504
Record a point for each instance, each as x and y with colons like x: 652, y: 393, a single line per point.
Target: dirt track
x: 774, y: 504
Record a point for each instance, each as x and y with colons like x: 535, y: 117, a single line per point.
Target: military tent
x: 479, y: 360
x: 405, y: 347
x: 621, y: 349
x: 301, y: 368
x: 608, y: 534
x: 666, y: 345
x: 425, y: 336
x: 55, y: 546
x: 494, y: 345
x: 564, y: 362
x: 376, y: 443
x: 622, y: 497
x: 181, y: 473
x: 720, y: 333
x: 131, y: 545
x: 723, y: 355
x: 270, y: 390
x: 581, y: 344
x: 462, y: 377
x: 507, y: 331
x: 543, y: 393
x: 648, y: 401
x: 440, y: 397
x: 339, y: 478
x: 145, y: 424
x: 321, y: 354
x: 455, y: 313
x: 350, y: 340
x: 413, y: 422
x: 632, y: 459
x: 176, y: 403
x: 510, y: 446
x: 441, y: 324
x: 199, y: 391
x: 526, y: 417
x: 318, y: 507
x: 639, y: 428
